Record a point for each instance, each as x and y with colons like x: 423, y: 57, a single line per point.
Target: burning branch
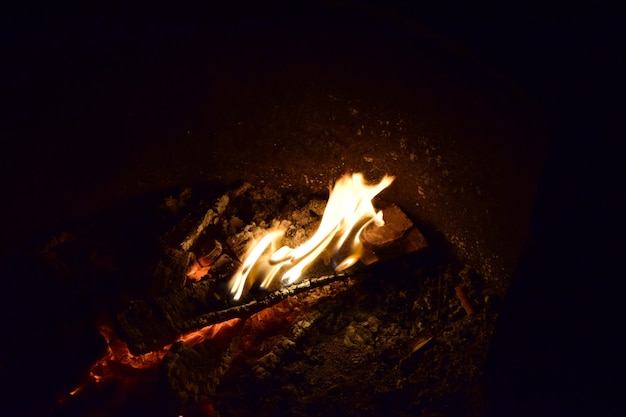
x: 254, y: 306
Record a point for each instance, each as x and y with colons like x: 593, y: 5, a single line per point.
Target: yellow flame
x: 348, y: 212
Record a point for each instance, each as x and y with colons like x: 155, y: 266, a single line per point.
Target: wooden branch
x: 254, y: 306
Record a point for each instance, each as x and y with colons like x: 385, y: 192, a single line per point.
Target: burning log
x: 147, y: 325
x: 349, y: 224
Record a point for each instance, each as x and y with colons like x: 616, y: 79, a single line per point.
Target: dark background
x: 559, y: 347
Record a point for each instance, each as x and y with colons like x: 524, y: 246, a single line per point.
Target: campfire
x: 216, y: 280
x: 306, y: 300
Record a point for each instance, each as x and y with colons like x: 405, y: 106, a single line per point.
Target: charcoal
x: 172, y: 269
x: 147, y: 325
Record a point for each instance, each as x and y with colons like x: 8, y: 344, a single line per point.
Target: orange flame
x: 348, y: 212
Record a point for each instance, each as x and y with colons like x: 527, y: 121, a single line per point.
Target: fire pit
x: 400, y: 328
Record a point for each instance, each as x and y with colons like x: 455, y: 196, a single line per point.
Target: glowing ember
x: 120, y: 366
x: 348, y: 212
x: 210, y: 332
x: 201, y: 267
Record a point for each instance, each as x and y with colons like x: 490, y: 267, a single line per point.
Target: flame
x: 348, y: 212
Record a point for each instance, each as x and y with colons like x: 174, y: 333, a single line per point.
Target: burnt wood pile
x: 149, y: 324
x: 404, y: 332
